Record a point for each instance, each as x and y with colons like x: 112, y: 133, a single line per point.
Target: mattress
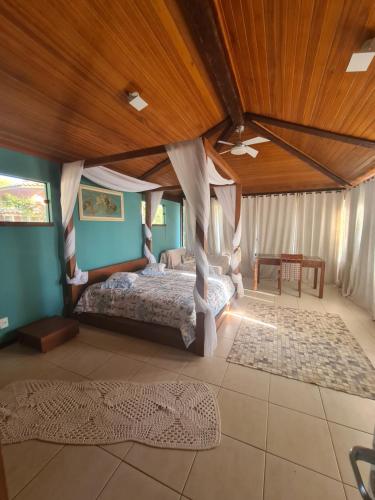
x: 165, y: 300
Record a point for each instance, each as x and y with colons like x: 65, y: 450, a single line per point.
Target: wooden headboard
x: 102, y: 273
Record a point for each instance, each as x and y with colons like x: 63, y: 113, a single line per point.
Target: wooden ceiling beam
x: 265, y: 132
x: 211, y: 131
x: 200, y: 17
x: 127, y: 155
x: 305, y: 129
x: 220, y: 162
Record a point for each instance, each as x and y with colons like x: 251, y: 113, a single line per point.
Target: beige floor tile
x: 215, y: 388
x: 345, y: 409
x: 224, y: 345
x: 170, y: 467
x: 352, y: 493
x: 135, y: 348
x: 117, y: 367
x: 208, y: 369
x: 287, y: 481
x: 233, y: 471
x: 22, y: 461
x: 170, y: 358
x: 302, y: 439
x: 229, y: 326
x: 296, y: 395
x: 128, y: 483
x: 247, y: 380
x: 84, y: 359
x: 76, y: 472
x: 102, y: 339
x: 119, y: 450
x: 243, y: 417
x: 150, y: 373
x: 343, y: 440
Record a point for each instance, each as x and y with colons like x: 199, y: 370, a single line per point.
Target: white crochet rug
x: 182, y: 415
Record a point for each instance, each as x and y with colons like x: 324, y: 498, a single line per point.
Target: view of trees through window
x: 159, y: 219
x: 22, y: 200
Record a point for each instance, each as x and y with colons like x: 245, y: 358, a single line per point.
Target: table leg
x: 315, y: 277
x: 321, y: 284
x: 255, y: 275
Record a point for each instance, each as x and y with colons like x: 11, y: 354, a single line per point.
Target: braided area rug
x: 181, y: 415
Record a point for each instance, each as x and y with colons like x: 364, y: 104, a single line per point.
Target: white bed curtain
x: 215, y: 238
x: 155, y: 197
x: 226, y: 196
x: 190, y: 164
x: 357, y: 258
x: 70, y: 180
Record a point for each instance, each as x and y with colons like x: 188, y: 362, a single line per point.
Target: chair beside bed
x: 149, y: 331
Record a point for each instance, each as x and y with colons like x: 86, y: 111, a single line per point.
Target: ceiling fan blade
x: 223, y: 152
x: 251, y: 151
x: 255, y: 140
x: 225, y: 142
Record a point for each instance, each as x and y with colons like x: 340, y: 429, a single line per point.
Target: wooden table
x: 274, y: 260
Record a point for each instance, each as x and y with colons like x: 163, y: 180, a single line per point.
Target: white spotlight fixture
x: 360, y: 61
x: 136, y: 101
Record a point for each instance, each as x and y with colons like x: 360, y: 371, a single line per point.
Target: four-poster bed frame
x: 159, y: 333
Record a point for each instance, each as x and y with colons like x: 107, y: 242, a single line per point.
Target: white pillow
x: 153, y: 270
x: 120, y: 280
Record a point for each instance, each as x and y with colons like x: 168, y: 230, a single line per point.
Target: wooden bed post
x: 71, y: 263
x: 202, y: 290
x: 148, y: 218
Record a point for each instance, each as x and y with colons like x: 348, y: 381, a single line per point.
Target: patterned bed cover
x: 165, y: 300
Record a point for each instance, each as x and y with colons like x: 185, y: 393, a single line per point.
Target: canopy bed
x: 204, y: 297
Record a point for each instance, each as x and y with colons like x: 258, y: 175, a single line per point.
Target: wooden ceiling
x: 65, y: 68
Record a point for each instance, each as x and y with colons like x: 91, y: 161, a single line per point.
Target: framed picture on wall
x: 100, y: 204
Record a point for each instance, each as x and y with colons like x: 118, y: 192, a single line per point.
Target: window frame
x: 50, y: 222
x: 143, y: 203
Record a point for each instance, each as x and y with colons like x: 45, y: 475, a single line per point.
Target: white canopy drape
x: 226, y: 196
x: 70, y: 180
x: 156, y: 196
x: 190, y: 164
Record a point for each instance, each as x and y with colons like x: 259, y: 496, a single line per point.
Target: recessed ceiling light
x: 136, y: 101
x: 360, y: 61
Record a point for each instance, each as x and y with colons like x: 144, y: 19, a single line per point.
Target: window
x: 22, y: 200
x: 159, y: 219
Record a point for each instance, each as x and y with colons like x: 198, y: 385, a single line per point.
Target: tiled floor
x: 281, y: 439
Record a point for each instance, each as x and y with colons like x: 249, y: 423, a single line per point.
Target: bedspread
x: 165, y: 300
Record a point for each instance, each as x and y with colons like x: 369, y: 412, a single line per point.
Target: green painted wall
x: 30, y: 257
x: 30, y: 266
x: 102, y: 243
x: 166, y: 237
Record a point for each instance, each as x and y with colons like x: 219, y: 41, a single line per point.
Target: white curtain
x: 226, y: 196
x: 190, y: 164
x: 155, y: 197
x: 115, y: 180
x: 215, y: 240
x: 357, y: 258
x: 318, y: 230
x: 70, y: 180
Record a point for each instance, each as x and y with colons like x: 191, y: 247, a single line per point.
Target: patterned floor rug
x: 180, y: 415
x: 305, y: 345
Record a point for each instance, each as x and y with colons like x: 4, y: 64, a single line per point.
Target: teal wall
x: 31, y: 257
x: 30, y: 266
x: 166, y: 237
x: 102, y: 243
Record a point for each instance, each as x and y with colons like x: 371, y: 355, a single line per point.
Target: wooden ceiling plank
x: 201, y: 19
x: 127, y: 155
x: 261, y: 129
x: 155, y: 169
x: 356, y: 141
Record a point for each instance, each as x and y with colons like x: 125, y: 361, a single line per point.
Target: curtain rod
x: 306, y: 191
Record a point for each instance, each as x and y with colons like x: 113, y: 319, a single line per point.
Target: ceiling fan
x: 243, y: 147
